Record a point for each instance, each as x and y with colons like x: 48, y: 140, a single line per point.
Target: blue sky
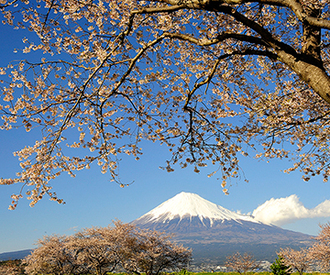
x: 92, y: 200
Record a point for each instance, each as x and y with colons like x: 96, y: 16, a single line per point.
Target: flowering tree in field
x: 211, y: 79
x: 53, y: 256
x: 83, y: 253
x: 11, y: 268
x: 320, y: 251
x: 151, y: 252
x: 96, y: 254
x: 299, y: 260
x: 99, y: 250
x: 242, y: 263
x: 122, y: 239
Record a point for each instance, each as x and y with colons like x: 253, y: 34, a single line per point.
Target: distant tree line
x: 289, y: 260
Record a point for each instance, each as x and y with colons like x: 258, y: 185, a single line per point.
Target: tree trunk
x: 312, y: 74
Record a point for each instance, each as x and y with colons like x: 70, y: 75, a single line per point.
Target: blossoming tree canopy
x: 211, y: 79
x: 99, y: 250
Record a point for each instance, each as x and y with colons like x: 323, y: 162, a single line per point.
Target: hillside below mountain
x: 15, y: 255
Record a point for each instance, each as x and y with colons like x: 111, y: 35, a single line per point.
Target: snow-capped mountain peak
x: 211, y: 230
x: 191, y: 205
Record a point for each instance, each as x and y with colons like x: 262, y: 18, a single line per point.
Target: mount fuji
x: 214, y: 232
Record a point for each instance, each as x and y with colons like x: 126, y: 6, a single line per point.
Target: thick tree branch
x: 296, y: 7
x: 215, y: 5
x: 218, y: 39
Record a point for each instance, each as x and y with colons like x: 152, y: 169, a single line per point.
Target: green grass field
x: 225, y: 273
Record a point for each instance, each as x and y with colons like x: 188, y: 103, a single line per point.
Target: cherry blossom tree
x: 83, y: 253
x: 151, y: 252
x: 99, y: 250
x: 320, y: 251
x: 94, y: 252
x: 53, y: 256
x: 7, y: 270
x: 299, y: 260
x: 242, y: 263
x: 122, y: 239
x: 11, y: 268
x: 211, y: 79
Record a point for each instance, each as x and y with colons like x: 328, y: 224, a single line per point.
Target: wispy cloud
x: 285, y: 210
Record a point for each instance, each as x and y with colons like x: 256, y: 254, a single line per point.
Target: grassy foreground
x: 229, y: 273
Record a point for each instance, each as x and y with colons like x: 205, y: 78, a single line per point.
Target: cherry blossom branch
x: 2, y: 6
x: 217, y: 5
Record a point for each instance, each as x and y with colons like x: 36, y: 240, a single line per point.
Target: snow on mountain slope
x: 214, y: 232
x: 185, y: 204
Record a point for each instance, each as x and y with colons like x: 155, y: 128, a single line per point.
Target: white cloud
x: 285, y: 210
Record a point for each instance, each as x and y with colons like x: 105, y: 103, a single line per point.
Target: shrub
x: 279, y: 268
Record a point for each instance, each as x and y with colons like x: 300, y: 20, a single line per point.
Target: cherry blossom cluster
x: 212, y: 80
